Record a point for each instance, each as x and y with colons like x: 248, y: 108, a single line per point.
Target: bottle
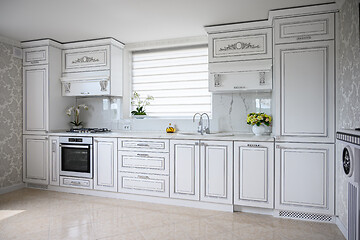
x: 170, y: 129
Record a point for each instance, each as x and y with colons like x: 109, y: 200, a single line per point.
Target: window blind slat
x: 177, y: 79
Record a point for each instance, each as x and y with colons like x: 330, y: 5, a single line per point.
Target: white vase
x: 258, y: 130
x: 139, y: 116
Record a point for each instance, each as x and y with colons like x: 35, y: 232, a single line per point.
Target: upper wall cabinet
x: 92, y: 68
x: 43, y: 105
x: 240, y: 45
x: 304, y: 28
x: 86, y: 59
x: 35, y: 56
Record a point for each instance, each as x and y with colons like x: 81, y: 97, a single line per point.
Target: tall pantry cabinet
x: 304, y: 113
x: 43, y: 106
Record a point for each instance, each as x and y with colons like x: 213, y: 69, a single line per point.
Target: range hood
x: 241, y: 76
x: 86, y: 84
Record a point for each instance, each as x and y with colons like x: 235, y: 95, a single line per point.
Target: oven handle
x: 75, y: 146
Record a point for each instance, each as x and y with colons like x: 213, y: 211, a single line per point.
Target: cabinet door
x: 305, y: 103
x: 35, y: 159
x: 216, y: 159
x: 105, y: 164
x: 35, y: 99
x: 35, y: 56
x: 184, y: 169
x: 304, y: 177
x: 54, y: 160
x: 254, y: 174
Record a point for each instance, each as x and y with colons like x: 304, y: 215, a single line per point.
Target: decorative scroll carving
x: 85, y: 59
x: 103, y: 85
x: 239, y: 46
x: 67, y: 87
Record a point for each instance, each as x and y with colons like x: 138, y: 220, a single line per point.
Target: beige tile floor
x: 39, y: 214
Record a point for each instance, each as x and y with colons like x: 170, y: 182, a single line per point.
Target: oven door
x: 76, y: 160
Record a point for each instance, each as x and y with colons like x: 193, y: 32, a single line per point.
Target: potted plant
x: 140, y: 105
x: 258, y: 121
x: 76, y: 123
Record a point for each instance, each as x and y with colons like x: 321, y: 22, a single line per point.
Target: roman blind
x: 176, y: 78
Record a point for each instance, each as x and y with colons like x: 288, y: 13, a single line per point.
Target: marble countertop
x: 178, y: 135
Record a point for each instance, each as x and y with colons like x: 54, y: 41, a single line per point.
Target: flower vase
x: 77, y: 127
x: 258, y: 130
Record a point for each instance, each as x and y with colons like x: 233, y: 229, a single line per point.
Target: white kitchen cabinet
x: 36, y: 99
x: 35, y: 159
x: 43, y: 105
x: 35, y: 56
x: 54, y: 160
x: 304, y: 28
x: 149, y: 162
x: 105, y: 164
x: 216, y: 164
x: 304, y: 99
x: 184, y: 169
x: 304, y: 177
x: 144, y: 184
x: 240, y: 45
x: 254, y: 174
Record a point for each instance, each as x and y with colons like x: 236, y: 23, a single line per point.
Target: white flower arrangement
x: 76, y: 111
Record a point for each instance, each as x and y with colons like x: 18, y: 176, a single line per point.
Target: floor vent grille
x: 306, y: 216
x: 40, y: 186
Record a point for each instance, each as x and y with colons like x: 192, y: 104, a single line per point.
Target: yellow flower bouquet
x: 258, y: 119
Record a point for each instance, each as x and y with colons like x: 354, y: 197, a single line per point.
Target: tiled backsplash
x: 229, y: 113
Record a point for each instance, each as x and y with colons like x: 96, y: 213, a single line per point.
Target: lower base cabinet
x: 54, y: 160
x: 105, y: 164
x: 216, y: 164
x: 254, y: 174
x: 144, y: 184
x: 304, y: 177
x: 35, y: 159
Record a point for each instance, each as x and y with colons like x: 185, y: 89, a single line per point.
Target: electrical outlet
x: 126, y: 127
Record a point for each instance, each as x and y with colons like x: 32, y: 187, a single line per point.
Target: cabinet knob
x: 196, y: 143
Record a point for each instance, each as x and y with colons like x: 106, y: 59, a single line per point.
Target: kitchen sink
x: 218, y: 134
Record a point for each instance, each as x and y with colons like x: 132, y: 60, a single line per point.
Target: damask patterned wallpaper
x: 347, y: 89
x: 10, y: 117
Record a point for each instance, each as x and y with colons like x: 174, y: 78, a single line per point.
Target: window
x: 176, y: 78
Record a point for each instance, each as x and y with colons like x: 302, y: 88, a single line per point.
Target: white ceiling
x: 127, y: 20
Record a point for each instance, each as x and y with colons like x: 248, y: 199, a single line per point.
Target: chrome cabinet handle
x: 142, y: 155
x: 253, y: 145
x: 85, y: 93
x: 303, y: 37
x: 278, y: 147
x: 142, y: 144
x: 75, y: 182
x: 239, y: 87
x: 143, y: 177
x: 196, y: 143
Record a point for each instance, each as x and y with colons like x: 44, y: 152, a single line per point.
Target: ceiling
x: 128, y: 20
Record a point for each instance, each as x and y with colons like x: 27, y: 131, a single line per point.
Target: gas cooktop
x: 89, y: 130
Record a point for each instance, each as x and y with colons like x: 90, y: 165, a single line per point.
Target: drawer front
x: 86, y: 59
x: 76, y: 182
x: 303, y: 29
x: 152, y: 185
x: 35, y: 56
x: 83, y: 88
x: 241, y: 45
x: 144, y: 145
x: 156, y: 163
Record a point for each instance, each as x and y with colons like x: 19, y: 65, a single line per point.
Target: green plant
x: 258, y: 119
x: 140, y: 104
x: 76, y: 111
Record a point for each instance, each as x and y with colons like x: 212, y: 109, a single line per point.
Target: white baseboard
x: 12, y: 188
x: 255, y: 210
x: 150, y: 199
x: 341, y: 226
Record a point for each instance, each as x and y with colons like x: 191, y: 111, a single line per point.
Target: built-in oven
x: 76, y: 157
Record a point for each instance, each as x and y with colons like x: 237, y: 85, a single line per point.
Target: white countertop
x: 163, y: 135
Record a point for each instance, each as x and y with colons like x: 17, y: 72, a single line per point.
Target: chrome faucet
x: 201, y: 128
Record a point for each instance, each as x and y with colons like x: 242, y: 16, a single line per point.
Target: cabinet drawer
x: 157, y: 163
x: 305, y: 28
x: 86, y: 59
x: 76, y: 182
x: 146, y: 145
x: 35, y: 56
x: 240, y: 45
x: 153, y: 185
